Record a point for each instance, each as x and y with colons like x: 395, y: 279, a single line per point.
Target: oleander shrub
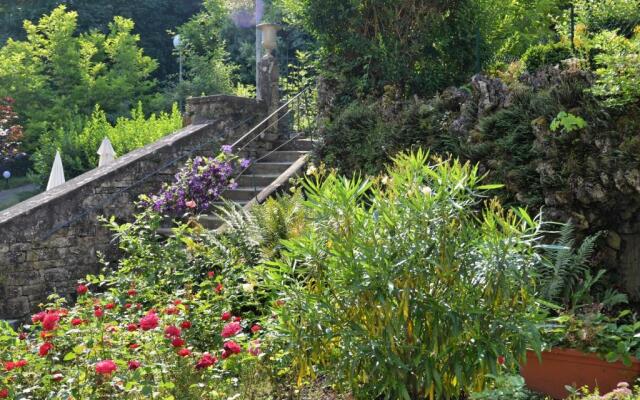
x: 411, y: 285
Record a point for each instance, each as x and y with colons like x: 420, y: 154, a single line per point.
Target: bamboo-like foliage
x: 407, y: 286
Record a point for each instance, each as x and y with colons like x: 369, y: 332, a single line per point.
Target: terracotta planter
x: 562, y: 367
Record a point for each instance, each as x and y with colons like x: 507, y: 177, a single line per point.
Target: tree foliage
x: 207, y: 68
x: 55, y: 74
x: 154, y: 18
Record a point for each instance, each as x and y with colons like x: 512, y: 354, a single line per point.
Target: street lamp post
x: 177, y: 42
x: 6, y: 175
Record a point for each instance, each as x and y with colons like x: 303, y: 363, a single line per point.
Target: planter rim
x: 581, y: 357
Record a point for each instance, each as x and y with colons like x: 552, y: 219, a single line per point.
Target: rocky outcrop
x: 590, y: 176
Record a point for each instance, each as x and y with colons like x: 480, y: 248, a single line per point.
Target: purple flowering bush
x: 198, y: 184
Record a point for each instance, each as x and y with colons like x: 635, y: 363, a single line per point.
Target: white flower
x: 426, y: 190
x: 247, y: 287
x: 311, y: 170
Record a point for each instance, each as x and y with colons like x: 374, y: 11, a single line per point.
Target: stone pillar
x: 268, y: 90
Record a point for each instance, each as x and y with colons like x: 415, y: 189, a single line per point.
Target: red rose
x: 237, y: 319
x: 21, y: 363
x: 81, y: 289
x: 184, y: 352
x: 226, y: 316
x: 185, y: 324
x: 501, y: 360
x: 9, y: 365
x: 106, y: 367
x: 177, y: 342
x: 23, y: 336
x: 97, y: 312
x: 134, y: 346
x: 280, y: 302
x: 76, y: 321
x: 50, y: 321
x: 256, y: 328
x: 177, y: 302
x: 127, y: 305
x: 132, y: 292
x: 45, y: 348
x: 132, y: 327
x: 38, y: 317
x: 134, y: 364
x: 206, y: 361
x: 172, y: 331
x: 149, y: 321
x: 231, y: 348
x: 110, y: 306
x: 231, y: 329
x: 211, y: 274
x: 171, y: 310
x: 4, y: 393
x: 57, y: 377
x: 219, y: 288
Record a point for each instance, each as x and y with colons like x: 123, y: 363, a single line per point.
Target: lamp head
x: 269, y: 36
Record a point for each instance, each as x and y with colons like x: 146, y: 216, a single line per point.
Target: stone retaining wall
x: 50, y: 241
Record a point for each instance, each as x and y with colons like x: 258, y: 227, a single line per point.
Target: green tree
x: 154, y: 18
x: 55, y: 74
x: 207, y: 69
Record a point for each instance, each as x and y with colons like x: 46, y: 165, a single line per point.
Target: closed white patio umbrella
x: 106, y: 153
x: 57, y: 173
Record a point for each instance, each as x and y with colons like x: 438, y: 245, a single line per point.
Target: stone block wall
x: 50, y: 241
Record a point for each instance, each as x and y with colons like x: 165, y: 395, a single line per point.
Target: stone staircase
x: 270, y: 171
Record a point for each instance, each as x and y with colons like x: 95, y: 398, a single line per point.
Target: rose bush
x: 131, y: 348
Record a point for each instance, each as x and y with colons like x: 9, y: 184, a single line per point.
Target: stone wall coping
x: 226, y: 98
x: 95, y: 175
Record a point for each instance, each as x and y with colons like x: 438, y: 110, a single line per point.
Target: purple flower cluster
x: 198, y: 184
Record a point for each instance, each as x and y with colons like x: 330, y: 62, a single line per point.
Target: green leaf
x: 70, y: 356
x: 491, y: 186
x: 611, y: 357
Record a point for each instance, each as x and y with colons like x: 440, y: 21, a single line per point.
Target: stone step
x: 241, y: 193
x: 298, y: 144
x: 282, y: 156
x: 210, y: 221
x: 214, y: 209
x: 269, y: 168
x: 251, y: 180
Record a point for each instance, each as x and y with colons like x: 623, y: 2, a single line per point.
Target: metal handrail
x: 282, y: 107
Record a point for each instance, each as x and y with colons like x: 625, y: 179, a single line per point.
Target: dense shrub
x: 367, y: 133
x: 608, y: 15
x: 543, y: 55
x: 398, y: 289
x: 79, y: 141
x: 618, y: 72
